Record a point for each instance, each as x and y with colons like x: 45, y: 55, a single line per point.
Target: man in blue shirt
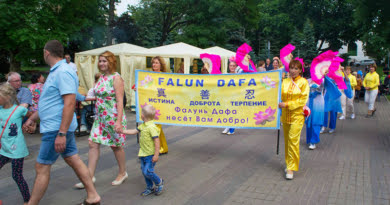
x: 24, y: 95
x: 58, y: 123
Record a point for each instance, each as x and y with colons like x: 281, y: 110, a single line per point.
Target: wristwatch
x: 61, y: 134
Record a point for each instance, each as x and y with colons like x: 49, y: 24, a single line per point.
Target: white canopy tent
x: 177, y: 51
x: 225, y: 55
x: 129, y: 58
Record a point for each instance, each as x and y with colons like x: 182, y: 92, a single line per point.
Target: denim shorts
x: 47, y: 153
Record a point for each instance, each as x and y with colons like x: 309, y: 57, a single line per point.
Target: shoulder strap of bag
x: 6, y: 122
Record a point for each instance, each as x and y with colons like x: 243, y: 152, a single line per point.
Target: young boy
x: 149, y: 150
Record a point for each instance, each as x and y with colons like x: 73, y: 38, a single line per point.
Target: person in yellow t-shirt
x: 295, y: 93
x: 349, y: 102
x: 371, y: 83
x: 149, y: 150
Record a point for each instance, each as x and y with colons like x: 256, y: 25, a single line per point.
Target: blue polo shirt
x: 62, y: 80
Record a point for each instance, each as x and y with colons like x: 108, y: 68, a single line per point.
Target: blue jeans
x: 47, y: 153
x: 147, y: 167
x: 87, y: 108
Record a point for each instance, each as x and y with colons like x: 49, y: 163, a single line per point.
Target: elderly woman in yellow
x: 295, y: 93
x: 158, y: 65
x: 371, y: 83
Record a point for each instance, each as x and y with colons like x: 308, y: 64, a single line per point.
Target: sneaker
x: 312, y: 146
x: 322, y: 130
x: 353, y: 116
x: 331, y: 131
x: 159, y: 188
x: 83, y: 128
x: 225, y: 131
x: 147, y: 192
x: 289, y: 176
x: 230, y: 133
x: 342, y: 117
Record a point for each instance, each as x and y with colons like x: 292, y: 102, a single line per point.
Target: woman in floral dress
x: 37, y: 80
x: 110, y: 118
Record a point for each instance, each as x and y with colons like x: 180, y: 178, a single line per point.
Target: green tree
x: 26, y: 25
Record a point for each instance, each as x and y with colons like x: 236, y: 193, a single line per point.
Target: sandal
x: 86, y: 203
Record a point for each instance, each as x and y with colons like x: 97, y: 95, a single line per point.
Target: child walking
x: 149, y: 150
x: 13, y: 146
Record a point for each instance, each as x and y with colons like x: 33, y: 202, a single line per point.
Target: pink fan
x: 243, y: 60
x: 320, y: 66
x: 301, y: 60
x: 335, y: 74
x: 286, y: 56
x: 214, y: 62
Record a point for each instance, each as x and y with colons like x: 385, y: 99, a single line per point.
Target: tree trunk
x: 15, y: 65
x: 111, y: 15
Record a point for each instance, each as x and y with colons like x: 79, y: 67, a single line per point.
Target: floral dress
x: 36, y: 90
x: 103, y: 131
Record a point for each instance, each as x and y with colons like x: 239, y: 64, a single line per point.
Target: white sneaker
x: 342, y: 117
x: 83, y: 128
x: 289, y: 176
x: 225, y: 131
x: 230, y: 133
x: 312, y: 146
x: 322, y: 130
x: 353, y: 116
x: 331, y: 131
x: 81, y: 185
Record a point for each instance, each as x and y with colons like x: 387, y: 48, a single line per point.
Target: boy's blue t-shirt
x: 13, y: 144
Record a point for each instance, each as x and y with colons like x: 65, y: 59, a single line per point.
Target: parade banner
x: 247, y: 100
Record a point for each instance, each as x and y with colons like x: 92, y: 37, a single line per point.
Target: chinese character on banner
x: 250, y: 94
x: 205, y: 94
x: 161, y: 92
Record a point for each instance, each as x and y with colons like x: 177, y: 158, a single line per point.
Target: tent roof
x: 175, y: 50
x: 219, y: 51
x: 117, y: 49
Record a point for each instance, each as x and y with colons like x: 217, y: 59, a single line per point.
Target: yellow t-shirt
x: 148, y: 132
x: 371, y: 80
x: 352, y: 80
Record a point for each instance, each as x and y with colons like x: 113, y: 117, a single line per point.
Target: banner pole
x: 277, y: 143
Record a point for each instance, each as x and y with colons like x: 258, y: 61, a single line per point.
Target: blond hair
x: 148, y: 111
x: 8, y: 92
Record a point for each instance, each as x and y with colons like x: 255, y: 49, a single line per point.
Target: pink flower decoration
x: 266, y: 116
x: 142, y: 83
x: 104, y: 113
x: 157, y: 115
x: 268, y: 83
x: 242, y: 51
x: 111, y: 123
x: 142, y: 106
x: 214, y: 62
x: 148, y: 79
x: 285, y: 55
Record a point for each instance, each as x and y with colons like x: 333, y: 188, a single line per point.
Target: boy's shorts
x: 47, y: 153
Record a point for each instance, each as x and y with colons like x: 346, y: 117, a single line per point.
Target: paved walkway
x: 205, y: 167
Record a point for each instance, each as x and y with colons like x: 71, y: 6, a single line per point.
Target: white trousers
x: 347, y: 104
x: 370, y: 97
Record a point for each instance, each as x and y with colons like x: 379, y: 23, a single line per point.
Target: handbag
x: 6, y: 122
